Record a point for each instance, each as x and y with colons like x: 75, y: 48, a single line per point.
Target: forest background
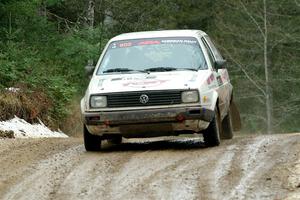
x: 45, y: 44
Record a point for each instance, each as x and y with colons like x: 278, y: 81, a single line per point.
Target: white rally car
x: 158, y: 83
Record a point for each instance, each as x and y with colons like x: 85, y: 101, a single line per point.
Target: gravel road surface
x: 247, y: 167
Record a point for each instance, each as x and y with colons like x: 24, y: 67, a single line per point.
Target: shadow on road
x: 174, y: 144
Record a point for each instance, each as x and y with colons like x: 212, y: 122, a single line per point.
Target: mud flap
x: 235, y: 117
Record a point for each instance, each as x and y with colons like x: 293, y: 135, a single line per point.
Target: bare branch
x: 253, y: 19
x: 246, y: 74
x: 59, y: 17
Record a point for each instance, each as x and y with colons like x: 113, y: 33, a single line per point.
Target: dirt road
x: 255, y: 167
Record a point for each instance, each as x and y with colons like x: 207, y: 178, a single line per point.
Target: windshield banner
x: 153, y: 41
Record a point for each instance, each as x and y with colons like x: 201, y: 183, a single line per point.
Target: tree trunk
x: 268, y: 88
x: 42, y: 10
x: 90, y: 20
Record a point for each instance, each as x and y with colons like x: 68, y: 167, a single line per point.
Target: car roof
x: 157, y: 34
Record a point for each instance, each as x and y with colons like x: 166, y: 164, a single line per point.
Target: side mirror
x: 89, y: 69
x: 220, y: 64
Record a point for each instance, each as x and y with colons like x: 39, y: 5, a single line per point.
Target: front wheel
x: 91, y: 142
x: 211, y: 135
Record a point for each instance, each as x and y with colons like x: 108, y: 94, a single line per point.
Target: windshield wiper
x: 123, y: 70
x: 164, y: 69
x: 153, y: 69
x: 160, y: 69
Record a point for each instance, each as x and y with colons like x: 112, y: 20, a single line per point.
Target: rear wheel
x: 212, y: 134
x: 91, y: 142
x: 227, y: 128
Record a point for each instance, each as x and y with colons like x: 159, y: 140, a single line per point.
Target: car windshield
x: 155, y: 54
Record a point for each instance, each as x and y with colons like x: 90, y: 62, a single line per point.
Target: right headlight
x: 98, y: 101
x: 190, y: 96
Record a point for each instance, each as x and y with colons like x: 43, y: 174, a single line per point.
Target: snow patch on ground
x: 23, y: 129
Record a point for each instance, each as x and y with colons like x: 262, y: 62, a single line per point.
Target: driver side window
x: 210, y: 55
x: 213, y: 48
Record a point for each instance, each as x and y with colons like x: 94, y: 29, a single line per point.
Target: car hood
x: 144, y: 81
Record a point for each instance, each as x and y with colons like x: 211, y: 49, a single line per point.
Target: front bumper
x: 164, y: 115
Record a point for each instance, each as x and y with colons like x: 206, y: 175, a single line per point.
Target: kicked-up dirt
x: 251, y: 167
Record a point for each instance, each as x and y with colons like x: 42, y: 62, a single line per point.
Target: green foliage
x: 35, y: 56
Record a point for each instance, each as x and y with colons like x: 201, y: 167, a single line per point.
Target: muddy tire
x: 212, y: 134
x: 91, y: 142
x: 227, y: 128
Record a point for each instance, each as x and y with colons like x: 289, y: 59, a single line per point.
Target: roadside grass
x: 72, y: 124
x: 30, y: 106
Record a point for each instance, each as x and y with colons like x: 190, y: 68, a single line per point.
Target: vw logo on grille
x: 144, y: 99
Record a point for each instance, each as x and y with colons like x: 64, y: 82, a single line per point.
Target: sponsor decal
x: 142, y: 83
x: 205, y: 99
x: 149, y: 42
x: 125, y: 44
x: 210, y: 79
x: 178, y: 41
x: 154, y: 41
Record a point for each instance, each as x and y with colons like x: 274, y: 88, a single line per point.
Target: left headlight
x: 98, y: 101
x: 190, y: 96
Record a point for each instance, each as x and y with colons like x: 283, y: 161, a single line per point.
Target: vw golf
x: 158, y: 83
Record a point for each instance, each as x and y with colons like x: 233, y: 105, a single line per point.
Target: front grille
x: 155, y: 98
